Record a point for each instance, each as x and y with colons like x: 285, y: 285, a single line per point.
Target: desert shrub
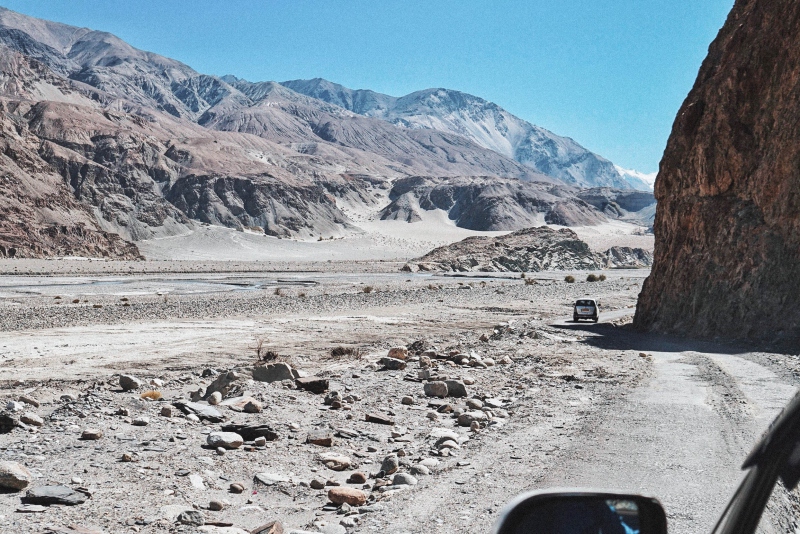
x: 302, y: 295
x: 341, y: 352
x: 522, y: 275
x: 124, y: 299
x: 76, y: 301
x: 592, y: 278
x: 262, y: 354
x: 602, y: 278
x: 367, y: 289
x: 152, y: 395
x: 278, y: 291
x: 530, y: 282
x: 432, y: 287
x: 569, y: 279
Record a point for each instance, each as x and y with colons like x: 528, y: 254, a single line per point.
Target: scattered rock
x: 467, y: 418
x: 260, y: 441
x: 456, y: 388
x: 29, y: 400
x: 270, y: 479
x: 166, y: 411
x: 14, y: 406
x: 274, y: 372
x: 404, y: 479
x: 251, y: 432
x: 357, y: 477
x: 317, y: 484
x: 320, y: 437
x: 30, y: 418
x: 48, y: 495
x: 141, y: 421
x: 419, y: 469
x: 224, y: 384
x: 129, y: 382
x: 216, y: 506
x: 91, y: 434
x: 351, y: 496
x: 313, y: 384
x: 215, y: 398
x: 191, y: 517
x: 390, y: 464
x: 202, y: 411
x: 393, y: 364
x: 335, y: 462
x: 474, y: 404
x: 435, y: 389
x: 379, y: 419
x: 398, y: 353
x: 227, y: 440
x: 14, y: 476
x: 408, y: 401
x: 273, y: 527
x: 236, y: 487
x: 253, y: 406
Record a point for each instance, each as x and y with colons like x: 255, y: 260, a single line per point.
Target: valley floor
x: 570, y: 404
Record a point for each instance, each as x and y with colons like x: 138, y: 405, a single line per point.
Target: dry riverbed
x: 520, y: 390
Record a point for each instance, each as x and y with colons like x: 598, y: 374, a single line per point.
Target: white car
x: 586, y: 309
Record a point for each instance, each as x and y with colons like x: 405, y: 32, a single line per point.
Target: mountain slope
x: 483, y: 122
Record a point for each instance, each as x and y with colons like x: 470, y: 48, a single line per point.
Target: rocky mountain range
x: 727, y: 226
x: 105, y: 144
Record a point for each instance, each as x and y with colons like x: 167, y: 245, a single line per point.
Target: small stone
x: 332, y: 397
x: 122, y: 412
x: 357, y: 477
x: 29, y: 400
x: 166, y: 411
x: 126, y: 457
x: 408, y: 401
x: 398, y: 353
x: 404, y: 479
x: 68, y: 397
x: 484, y: 338
x: 260, y: 441
x: 505, y: 360
x: 236, y: 487
x: 489, y: 362
x: 419, y: 469
x: 141, y: 421
x: 321, y: 438
x: 253, y: 406
x: 430, y: 463
x: 48, y: 495
x: 227, y: 440
x: 351, y: 496
x: 221, y: 451
x: 270, y: 479
x: 14, y: 406
x: 317, y: 484
x: 157, y: 382
x: 196, y: 395
x: 335, y: 462
x: 216, y: 506
x: 393, y: 364
x: 348, y: 522
x: 474, y: 404
x: 313, y: 384
x: 273, y: 527
x: 379, y: 419
x: 433, y: 416
x: 475, y: 426
x: 191, y: 517
x: 129, y: 382
x: 467, y: 418
x: 390, y: 464
x: 274, y: 372
x: 30, y: 418
x: 14, y: 476
x: 468, y: 380
x: 91, y: 434
x: 456, y: 388
x: 215, y: 398
x: 76, y: 480
x: 435, y: 389
x: 445, y: 443
x: 193, y: 418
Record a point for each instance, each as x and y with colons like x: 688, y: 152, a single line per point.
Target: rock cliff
x: 727, y: 226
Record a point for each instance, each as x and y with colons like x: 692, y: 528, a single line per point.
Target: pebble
x: 408, y: 401
x: 91, y: 434
x: 404, y: 479
x: 390, y: 464
x: 129, y: 382
x: 253, y: 406
x: 191, y: 517
x: 419, y: 469
x: 433, y: 416
x: 227, y: 440
x: 216, y: 506
x: 215, y: 398
x: 321, y: 438
x: 456, y: 388
x: 317, y: 484
x: 14, y: 476
x: 335, y: 462
x: 260, y: 441
x: 435, y: 389
x: 141, y: 421
x: 474, y: 404
x: 467, y: 418
x: 468, y: 380
x: 357, y: 477
x: 349, y: 522
x: 29, y: 400
x: 393, y: 364
x: 48, y: 495
x: 489, y: 362
x: 221, y: 451
x: 270, y: 479
x: 351, y: 496
x: 399, y: 353
x: 14, y: 406
x: 166, y: 411
x: 30, y: 418
x: 68, y: 397
x: 236, y: 487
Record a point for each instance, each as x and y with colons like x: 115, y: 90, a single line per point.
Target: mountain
x: 727, y: 226
x: 484, y: 123
x: 107, y: 145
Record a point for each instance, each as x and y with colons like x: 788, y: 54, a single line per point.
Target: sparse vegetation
x: 340, y: 352
x: 432, y: 287
x: 592, y: 278
x: 76, y: 301
x: 569, y: 279
x: 301, y: 295
x: 278, y: 291
x: 522, y: 275
x: 530, y: 282
x: 367, y: 289
x: 602, y: 278
x: 152, y: 395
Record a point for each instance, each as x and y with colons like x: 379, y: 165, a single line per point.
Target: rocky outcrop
x: 727, y: 227
x: 528, y: 250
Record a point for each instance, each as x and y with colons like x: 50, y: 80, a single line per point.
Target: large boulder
x: 727, y: 226
x: 14, y: 476
x: 274, y: 372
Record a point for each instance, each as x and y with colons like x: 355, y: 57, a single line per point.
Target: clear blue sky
x: 610, y: 74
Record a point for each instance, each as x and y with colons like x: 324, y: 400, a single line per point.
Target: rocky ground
x: 369, y: 431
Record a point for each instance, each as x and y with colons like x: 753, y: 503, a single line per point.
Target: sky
x: 610, y: 74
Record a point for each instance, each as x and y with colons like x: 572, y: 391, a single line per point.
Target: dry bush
x: 152, y: 395
x: 530, y: 282
x: 76, y: 301
x: 569, y: 279
x: 340, y: 352
x: 602, y: 278
x: 278, y: 291
x: 367, y: 289
x: 592, y: 278
x: 301, y: 295
x: 522, y: 275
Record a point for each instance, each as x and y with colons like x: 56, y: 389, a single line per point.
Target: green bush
x: 569, y: 279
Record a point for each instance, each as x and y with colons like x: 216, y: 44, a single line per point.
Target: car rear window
x: 584, y: 303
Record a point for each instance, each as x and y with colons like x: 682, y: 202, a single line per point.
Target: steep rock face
x: 727, y: 249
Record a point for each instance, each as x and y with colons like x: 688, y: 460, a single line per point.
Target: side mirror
x: 576, y: 512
